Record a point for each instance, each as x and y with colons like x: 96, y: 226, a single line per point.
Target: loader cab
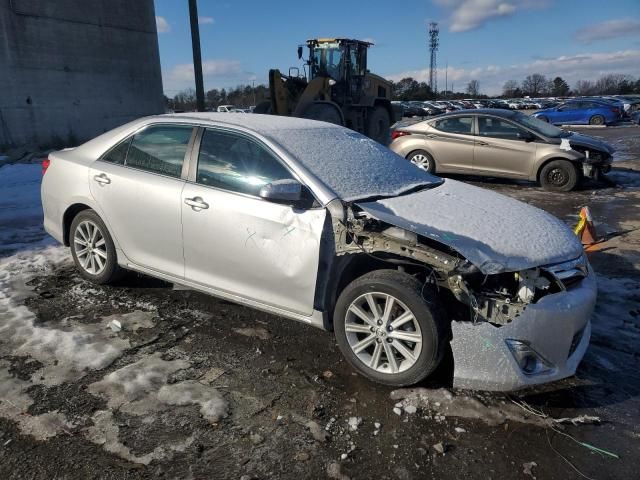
x: 337, y: 59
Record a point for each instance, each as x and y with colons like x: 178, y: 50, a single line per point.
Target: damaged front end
x: 494, y: 298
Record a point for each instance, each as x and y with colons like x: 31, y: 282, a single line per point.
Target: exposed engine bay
x: 497, y: 299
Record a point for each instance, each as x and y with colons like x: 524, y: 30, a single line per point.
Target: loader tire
x: 323, y: 112
x: 379, y: 125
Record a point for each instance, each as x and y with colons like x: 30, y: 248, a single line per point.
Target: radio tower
x: 433, y: 47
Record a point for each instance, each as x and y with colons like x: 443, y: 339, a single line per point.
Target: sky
x: 491, y: 41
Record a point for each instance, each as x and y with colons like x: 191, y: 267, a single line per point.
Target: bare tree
x: 584, y: 87
x: 510, y: 89
x: 534, y: 85
x: 473, y: 88
x: 612, y: 84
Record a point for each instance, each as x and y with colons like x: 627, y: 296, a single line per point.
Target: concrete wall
x: 72, y: 69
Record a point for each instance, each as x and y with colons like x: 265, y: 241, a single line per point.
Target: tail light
x: 615, y: 110
x: 398, y: 133
x: 45, y: 164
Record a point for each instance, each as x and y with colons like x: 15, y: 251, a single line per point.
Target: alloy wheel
x: 90, y: 247
x: 383, y: 333
x: 558, y: 177
x: 421, y: 161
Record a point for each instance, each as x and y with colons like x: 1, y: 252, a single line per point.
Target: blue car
x: 581, y: 112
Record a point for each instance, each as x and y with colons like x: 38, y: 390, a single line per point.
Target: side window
x: 455, y: 125
x: 160, y: 149
x: 236, y: 163
x: 118, y: 153
x: 498, y: 128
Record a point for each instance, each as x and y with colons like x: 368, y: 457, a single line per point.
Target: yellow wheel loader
x: 337, y: 88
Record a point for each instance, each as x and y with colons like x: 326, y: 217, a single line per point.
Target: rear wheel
x: 559, y: 175
x: 323, y: 112
x: 389, y: 329
x: 92, y: 249
x: 423, y: 160
x: 596, y: 120
x: 379, y: 125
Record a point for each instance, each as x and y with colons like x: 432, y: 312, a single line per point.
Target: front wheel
x: 389, y: 329
x: 92, y: 248
x: 559, y: 175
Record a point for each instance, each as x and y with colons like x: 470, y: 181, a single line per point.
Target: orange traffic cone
x: 585, y: 228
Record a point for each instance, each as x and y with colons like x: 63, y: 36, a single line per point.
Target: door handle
x: 102, y: 179
x: 196, y: 203
x: 482, y: 144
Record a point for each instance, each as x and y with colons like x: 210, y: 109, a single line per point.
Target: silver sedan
x: 319, y: 224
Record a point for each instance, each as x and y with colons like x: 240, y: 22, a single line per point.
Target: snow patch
x: 444, y: 402
x: 212, y: 406
x: 14, y: 403
x: 105, y: 432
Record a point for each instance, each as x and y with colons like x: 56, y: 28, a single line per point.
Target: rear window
x: 462, y: 125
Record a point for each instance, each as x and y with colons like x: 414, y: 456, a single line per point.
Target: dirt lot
x: 194, y: 387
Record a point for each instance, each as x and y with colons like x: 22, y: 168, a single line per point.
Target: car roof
x: 496, y: 112
x: 256, y: 122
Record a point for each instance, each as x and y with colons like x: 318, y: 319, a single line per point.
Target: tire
x: 379, y: 125
x: 263, y: 107
x: 427, y: 324
x: 543, y: 118
x: 559, y: 176
x: 323, y: 112
x: 423, y: 160
x: 596, y: 120
x: 102, y: 264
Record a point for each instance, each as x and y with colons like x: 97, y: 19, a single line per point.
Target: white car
x: 226, y: 108
x: 317, y: 223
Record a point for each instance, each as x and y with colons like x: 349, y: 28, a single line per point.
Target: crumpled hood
x: 590, y: 142
x: 494, y: 232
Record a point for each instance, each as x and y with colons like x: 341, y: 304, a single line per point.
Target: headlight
x: 529, y: 361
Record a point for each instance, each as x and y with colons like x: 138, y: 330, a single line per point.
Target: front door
x: 240, y: 244
x: 502, y: 149
x: 137, y: 186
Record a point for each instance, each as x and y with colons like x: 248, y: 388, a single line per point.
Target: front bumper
x: 558, y: 327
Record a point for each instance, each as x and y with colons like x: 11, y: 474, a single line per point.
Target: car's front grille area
x: 571, y: 273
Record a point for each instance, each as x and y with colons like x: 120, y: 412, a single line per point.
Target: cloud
x: 608, y: 29
x: 572, y: 68
x: 162, y: 25
x: 206, y: 20
x: 468, y: 15
x: 215, y: 72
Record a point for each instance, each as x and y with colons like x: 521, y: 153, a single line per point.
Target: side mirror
x: 283, y: 191
x: 299, y: 52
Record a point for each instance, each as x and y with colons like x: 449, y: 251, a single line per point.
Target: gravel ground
x: 194, y: 387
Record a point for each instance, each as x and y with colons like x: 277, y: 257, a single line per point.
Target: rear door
x: 138, y: 186
x: 501, y: 149
x: 451, y: 143
x: 236, y: 242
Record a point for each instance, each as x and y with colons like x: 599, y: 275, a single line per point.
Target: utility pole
x: 446, y: 71
x: 253, y: 83
x: 197, y: 56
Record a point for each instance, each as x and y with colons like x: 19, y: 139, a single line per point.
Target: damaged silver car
x: 320, y: 224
